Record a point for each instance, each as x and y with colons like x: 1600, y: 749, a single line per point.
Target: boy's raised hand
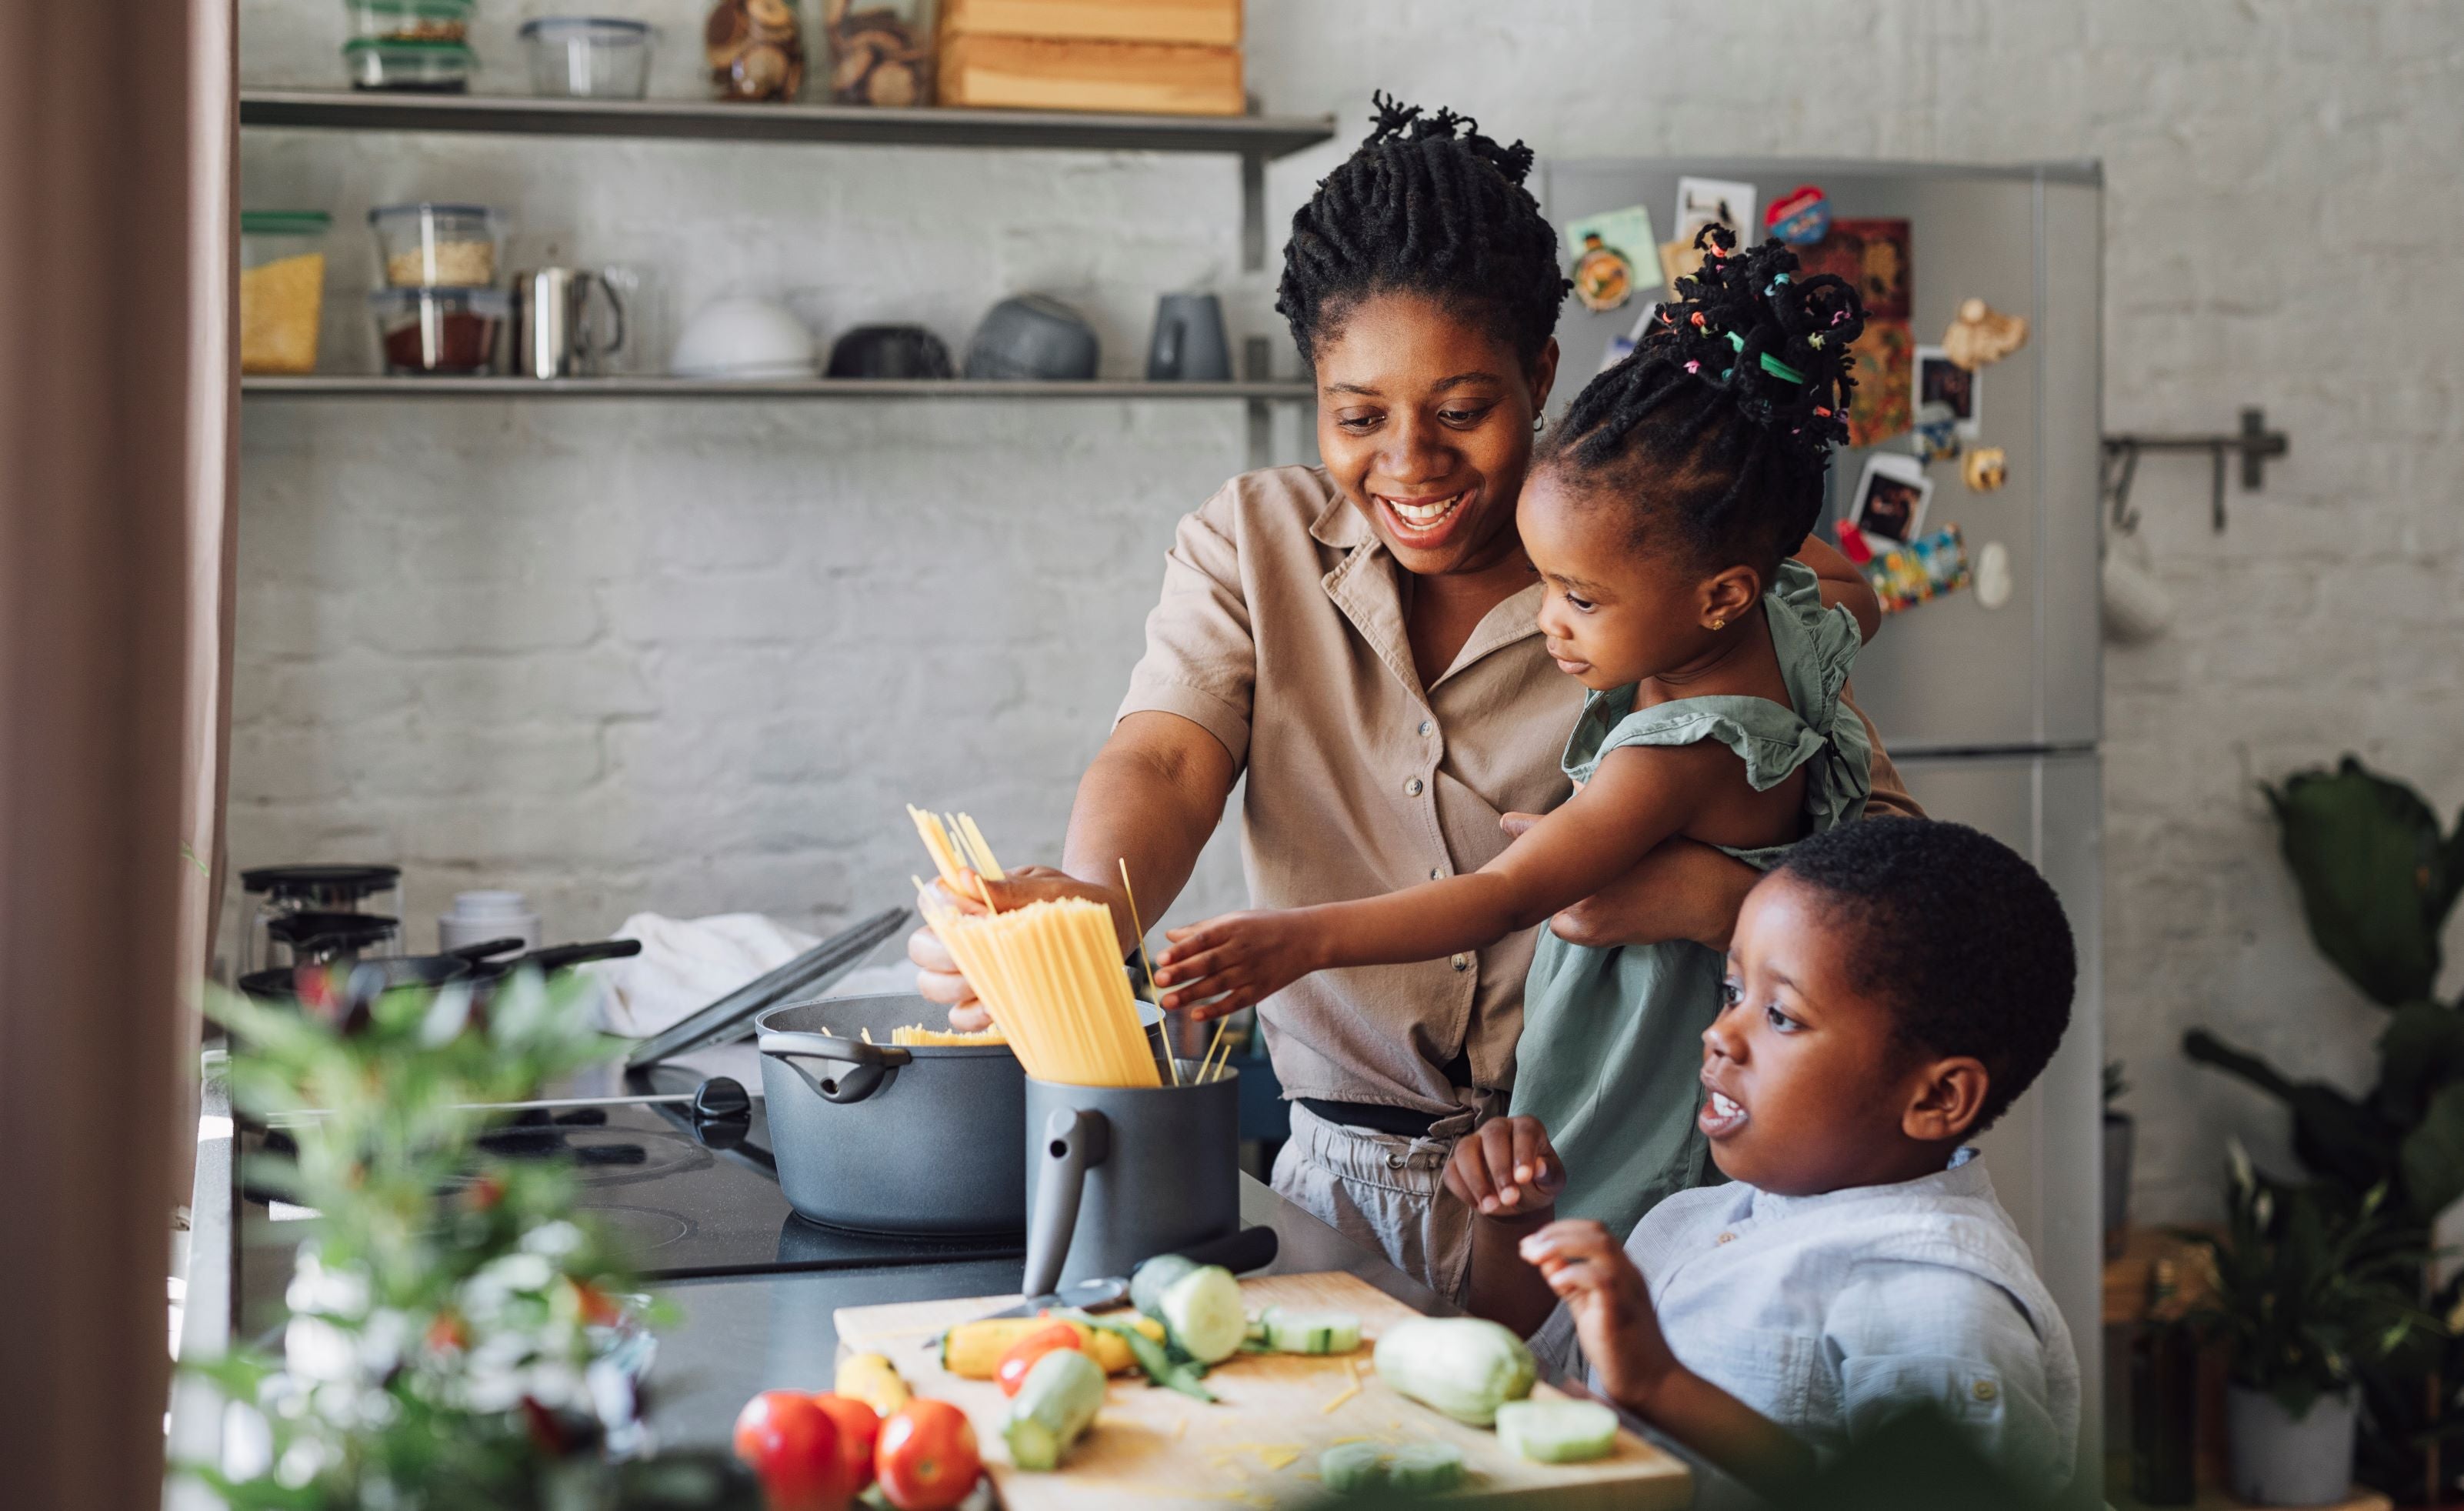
x: 1600, y: 1285
x: 1227, y: 963
x: 1507, y: 1169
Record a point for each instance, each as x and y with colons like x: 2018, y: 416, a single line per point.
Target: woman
x: 1360, y: 639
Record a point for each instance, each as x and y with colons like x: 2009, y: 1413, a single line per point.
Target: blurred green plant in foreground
x: 456, y: 1335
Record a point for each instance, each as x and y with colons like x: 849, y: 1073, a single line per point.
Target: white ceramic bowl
x: 744, y: 338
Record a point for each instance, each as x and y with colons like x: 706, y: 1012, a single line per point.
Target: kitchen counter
x: 735, y: 1334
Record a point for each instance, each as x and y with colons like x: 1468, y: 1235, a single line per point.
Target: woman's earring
x: 1719, y: 623
x: 1539, y: 423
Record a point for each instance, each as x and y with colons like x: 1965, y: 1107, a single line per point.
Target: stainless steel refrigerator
x: 1993, y: 713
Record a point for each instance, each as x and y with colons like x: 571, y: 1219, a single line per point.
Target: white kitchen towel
x: 686, y: 964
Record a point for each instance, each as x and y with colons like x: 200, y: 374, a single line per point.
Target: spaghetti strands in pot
x: 1049, y: 973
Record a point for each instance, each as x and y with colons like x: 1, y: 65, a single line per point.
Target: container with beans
x: 439, y: 309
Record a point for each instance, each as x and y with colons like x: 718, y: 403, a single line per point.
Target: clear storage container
x: 424, y: 332
x: 879, y: 53
x: 438, y: 246
x: 588, y: 57
x: 281, y: 289
x: 422, y: 68
x: 409, y: 20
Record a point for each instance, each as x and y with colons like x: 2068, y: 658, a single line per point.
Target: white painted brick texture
x: 693, y: 657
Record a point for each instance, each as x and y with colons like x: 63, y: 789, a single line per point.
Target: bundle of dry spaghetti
x: 1049, y: 973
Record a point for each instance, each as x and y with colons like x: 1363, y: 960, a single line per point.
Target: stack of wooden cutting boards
x: 1178, y: 57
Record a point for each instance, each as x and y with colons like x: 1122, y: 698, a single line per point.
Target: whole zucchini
x: 1461, y: 1366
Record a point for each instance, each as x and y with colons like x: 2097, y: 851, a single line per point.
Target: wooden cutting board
x: 1259, y: 1444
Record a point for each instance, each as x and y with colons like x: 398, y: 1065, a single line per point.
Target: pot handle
x: 869, y: 1066
x: 1075, y: 1140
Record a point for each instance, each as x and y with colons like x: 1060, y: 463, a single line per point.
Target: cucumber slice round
x: 1424, y: 1469
x: 1288, y: 1331
x: 1352, y: 1469
x: 1204, y: 1313
x: 1156, y: 1276
x: 1557, y: 1432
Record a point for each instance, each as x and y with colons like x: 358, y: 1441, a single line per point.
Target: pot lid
x: 291, y: 880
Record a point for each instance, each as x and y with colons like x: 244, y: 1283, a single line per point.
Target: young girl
x: 1662, y: 515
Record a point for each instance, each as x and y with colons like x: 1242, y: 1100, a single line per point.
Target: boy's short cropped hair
x: 1957, y: 935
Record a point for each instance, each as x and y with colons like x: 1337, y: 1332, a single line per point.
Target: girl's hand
x: 1507, y: 1169
x: 938, y: 978
x: 1235, y: 960
x: 1612, y: 1307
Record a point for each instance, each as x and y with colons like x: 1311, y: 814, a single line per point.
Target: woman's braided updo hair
x: 1427, y: 206
x: 1721, y: 423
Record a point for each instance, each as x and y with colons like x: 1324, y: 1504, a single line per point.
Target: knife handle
x: 1249, y: 1249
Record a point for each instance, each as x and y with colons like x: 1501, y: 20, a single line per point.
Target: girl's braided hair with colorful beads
x: 1426, y: 205
x: 1721, y: 423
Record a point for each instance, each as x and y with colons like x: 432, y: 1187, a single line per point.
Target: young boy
x: 1892, y: 987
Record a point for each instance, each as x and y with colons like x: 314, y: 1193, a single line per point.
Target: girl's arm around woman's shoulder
x: 1841, y: 583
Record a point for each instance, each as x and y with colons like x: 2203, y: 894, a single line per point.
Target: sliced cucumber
x: 1288, y: 1331
x: 1203, y: 1312
x: 1151, y: 1280
x: 1057, y: 1402
x: 1352, y: 1469
x: 1464, y: 1367
x: 1557, y: 1432
x: 1424, y: 1469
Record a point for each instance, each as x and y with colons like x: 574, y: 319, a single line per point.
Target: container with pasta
x: 281, y: 290
x: 433, y: 246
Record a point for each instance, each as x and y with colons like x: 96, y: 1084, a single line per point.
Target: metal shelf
x: 798, y: 388
x: 1261, y: 137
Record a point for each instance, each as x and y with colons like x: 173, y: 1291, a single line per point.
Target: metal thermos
x: 1117, y: 1174
x: 554, y: 333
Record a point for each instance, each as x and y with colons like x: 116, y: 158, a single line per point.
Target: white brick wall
x: 627, y: 656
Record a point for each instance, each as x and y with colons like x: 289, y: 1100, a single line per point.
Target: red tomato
x: 794, y: 1446
x: 858, y: 1425
x: 927, y: 1460
x: 1023, y: 1354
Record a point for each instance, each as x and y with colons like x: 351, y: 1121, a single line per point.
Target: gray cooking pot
x: 886, y: 1138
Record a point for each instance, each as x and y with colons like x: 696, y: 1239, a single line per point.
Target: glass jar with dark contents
x: 438, y: 331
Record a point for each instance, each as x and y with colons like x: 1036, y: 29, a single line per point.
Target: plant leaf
x: 2433, y: 1155
x: 2335, y: 1135
x: 2377, y: 876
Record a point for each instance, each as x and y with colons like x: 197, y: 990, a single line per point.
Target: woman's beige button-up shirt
x: 1280, y: 633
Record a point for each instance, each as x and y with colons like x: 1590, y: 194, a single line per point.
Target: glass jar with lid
x: 281, y: 289
x: 879, y: 52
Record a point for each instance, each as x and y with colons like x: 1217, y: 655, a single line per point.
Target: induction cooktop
x: 687, y: 1200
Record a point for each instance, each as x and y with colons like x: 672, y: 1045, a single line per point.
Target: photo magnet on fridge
x: 1607, y: 250
x: 1873, y: 255
x: 1891, y: 498
x: 1703, y: 201
x: 1884, y: 404
x: 1944, y: 381
x: 1919, y: 572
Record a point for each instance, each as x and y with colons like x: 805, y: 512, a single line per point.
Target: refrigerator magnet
x: 1919, y: 572
x: 1853, y: 543
x: 1891, y: 498
x: 1727, y: 201
x: 1941, y: 380
x: 1981, y: 334
x: 1985, y: 469
x: 1993, y: 575
x: 1936, y: 437
x: 1799, y: 217
x: 1606, y: 248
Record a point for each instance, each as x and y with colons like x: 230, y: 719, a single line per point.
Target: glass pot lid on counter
x: 281, y: 891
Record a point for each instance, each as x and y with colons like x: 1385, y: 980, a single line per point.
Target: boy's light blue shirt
x: 1827, y: 1313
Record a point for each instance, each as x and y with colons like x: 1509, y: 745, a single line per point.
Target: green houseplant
x: 457, y: 1334
x: 2308, y: 1291
x: 2378, y: 877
